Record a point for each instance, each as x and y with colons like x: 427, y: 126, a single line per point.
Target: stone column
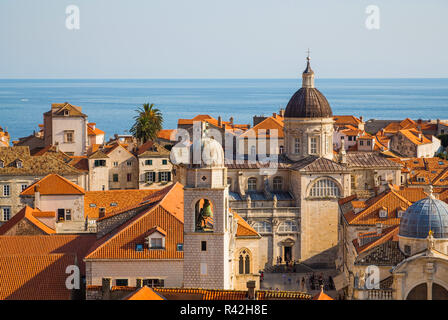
x: 398, y: 286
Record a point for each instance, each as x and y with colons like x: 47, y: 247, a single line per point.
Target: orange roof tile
x: 268, y: 124
x: 167, y: 134
x: 388, y: 199
x: 386, y: 235
x: 47, y: 244
x: 31, y: 215
x: 53, y: 184
x: 415, y: 136
x: 244, y: 229
x: 344, y: 120
x: 144, y: 293
x: 322, y: 296
x: 112, y: 200
x: 35, y: 277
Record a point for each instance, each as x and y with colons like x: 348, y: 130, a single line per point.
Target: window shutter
x: 160, y: 176
x: 169, y: 176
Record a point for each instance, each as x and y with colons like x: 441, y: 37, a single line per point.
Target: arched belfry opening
x: 204, y: 215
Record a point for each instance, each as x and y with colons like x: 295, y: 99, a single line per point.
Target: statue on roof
x: 430, y: 240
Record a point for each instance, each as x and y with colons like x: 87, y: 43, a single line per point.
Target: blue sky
x: 222, y: 39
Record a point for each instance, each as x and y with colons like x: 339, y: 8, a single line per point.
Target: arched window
x: 325, y: 188
x: 277, y: 183
x: 252, y: 184
x: 287, y: 226
x: 244, y: 262
x: 262, y: 226
x: 281, y: 150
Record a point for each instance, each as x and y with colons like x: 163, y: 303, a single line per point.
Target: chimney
x: 36, y: 196
x: 231, y: 120
x: 56, y: 144
x: 139, y: 282
x: 105, y: 288
x: 219, y: 121
x: 274, y: 115
x: 360, y: 118
x: 251, y: 290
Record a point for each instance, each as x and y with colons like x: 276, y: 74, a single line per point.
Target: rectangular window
x: 296, y: 145
x: 138, y: 247
x: 154, y: 282
x: 129, y: 177
x: 115, y: 163
x: 6, y: 213
x: 350, y: 138
x: 156, y: 243
x: 6, y: 190
x: 313, y: 145
x: 164, y: 161
x: 369, y: 142
x: 115, y: 177
x: 148, y: 162
x: 129, y: 163
x: 361, y: 143
x: 164, y: 176
x: 100, y: 163
x: 24, y: 186
x: 68, y: 214
x: 180, y: 247
x: 203, y: 245
x: 121, y: 282
x: 69, y: 136
x: 61, y: 214
x: 150, y: 177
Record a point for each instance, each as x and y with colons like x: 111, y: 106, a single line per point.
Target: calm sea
x: 112, y: 103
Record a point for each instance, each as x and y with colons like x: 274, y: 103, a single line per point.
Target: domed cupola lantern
x: 426, y: 217
x: 308, y: 121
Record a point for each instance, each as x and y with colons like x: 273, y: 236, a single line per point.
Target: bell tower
x: 208, y: 227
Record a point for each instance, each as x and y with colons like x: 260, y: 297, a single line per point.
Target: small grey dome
x: 423, y: 216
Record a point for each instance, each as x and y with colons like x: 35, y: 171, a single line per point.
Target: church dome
x: 423, y: 216
x: 308, y: 102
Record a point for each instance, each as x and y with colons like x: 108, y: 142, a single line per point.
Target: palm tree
x: 147, y: 123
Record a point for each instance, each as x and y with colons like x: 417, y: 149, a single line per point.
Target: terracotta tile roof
x: 144, y: 293
x: 267, y: 125
x: 93, y: 132
x: 415, y: 136
x: 344, y: 120
x: 388, y: 199
x: 31, y: 215
x: 390, y: 233
x: 32, y: 165
x: 35, y: 277
x: 112, y: 200
x: 151, y: 148
x: 53, y: 184
x: 244, y: 229
x: 206, y: 118
x: 80, y: 162
x: 167, y: 214
x: 322, y: 296
x: 78, y: 245
x: 167, y: 134
x: 58, y: 108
